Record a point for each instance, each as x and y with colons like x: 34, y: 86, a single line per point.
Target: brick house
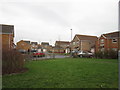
x: 58, y: 49
x: 7, y: 35
x: 23, y: 45
x: 50, y: 48
x: 83, y: 42
x: 108, y: 41
x: 45, y: 46
x: 40, y: 49
x: 34, y: 45
x: 63, y: 46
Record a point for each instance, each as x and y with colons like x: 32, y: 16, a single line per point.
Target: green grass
x: 66, y: 73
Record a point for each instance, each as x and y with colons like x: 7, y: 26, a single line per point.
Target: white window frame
x: 101, y: 44
x: 73, y: 43
x: 102, y: 40
x: 114, y: 40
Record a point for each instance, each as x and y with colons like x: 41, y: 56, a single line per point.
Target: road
x: 48, y: 57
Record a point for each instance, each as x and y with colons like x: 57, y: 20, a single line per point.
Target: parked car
x: 22, y: 51
x: 33, y: 50
x: 38, y: 54
x: 84, y: 54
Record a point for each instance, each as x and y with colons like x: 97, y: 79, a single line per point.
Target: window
x: 114, y: 40
x: 102, y: 41
x: 73, y: 43
x: 22, y: 44
x: 68, y: 45
x: 101, y: 44
x: 102, y: 49
x: 115, y: 49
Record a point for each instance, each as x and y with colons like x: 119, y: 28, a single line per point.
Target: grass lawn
x: 66, y: 73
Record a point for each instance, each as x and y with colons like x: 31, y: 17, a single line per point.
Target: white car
x: 84, y: 54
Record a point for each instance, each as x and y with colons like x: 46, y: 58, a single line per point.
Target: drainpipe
x: 81, y: 45
x: 9, y: 41
x: 81, y: 48
x: 119, y: 68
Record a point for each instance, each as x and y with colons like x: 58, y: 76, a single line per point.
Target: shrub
x: 99, y: 54
x: 113, y: 54
x: 109, y: 54
x: 12, y: 61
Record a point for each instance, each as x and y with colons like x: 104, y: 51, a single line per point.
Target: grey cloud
x: 34, y: 20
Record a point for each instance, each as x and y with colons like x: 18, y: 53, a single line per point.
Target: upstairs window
x: 102, y: 41
x: 68, y: 45
x: 114, y: 40
x: 101, y: 44
x: 77, y: 42
x: 22, y: 44
x: 73, y: 43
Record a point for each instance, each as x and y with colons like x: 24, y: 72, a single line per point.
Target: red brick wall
x: 108, y: 44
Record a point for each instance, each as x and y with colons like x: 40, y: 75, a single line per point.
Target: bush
x: 74, y: 55
x: 99, y: 54
x: 108, y: 54
x: 12, y: 61
x: 113, y: 54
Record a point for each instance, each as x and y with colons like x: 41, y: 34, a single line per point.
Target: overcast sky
x: 51, y: 20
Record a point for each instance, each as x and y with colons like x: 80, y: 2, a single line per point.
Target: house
x: 83, y: 43
x: 40, y: 49
x: 58, y: 49
x: 45, y: 46
x: 108, y: 41
x: 7, y: 34
x: 34, y: 45
x: 23, y: 45
x: 50, y: 48
x: 65, y: 45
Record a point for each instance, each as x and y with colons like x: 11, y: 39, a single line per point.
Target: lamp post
x: 71, y: 44
x: 71, y: 34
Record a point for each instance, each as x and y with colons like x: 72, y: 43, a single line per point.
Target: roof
x: 50, y: 45
x: 27, y: 42
x: 86, y: 37
x: 45, y: 43
x: 6, y: 29
x: 57, y: 47
x: 112, y: 34
x: 63, y: 42
x: 39, y: 46
x: 34, y: 43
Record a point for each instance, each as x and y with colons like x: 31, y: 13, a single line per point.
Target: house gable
x: 75, y: 38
